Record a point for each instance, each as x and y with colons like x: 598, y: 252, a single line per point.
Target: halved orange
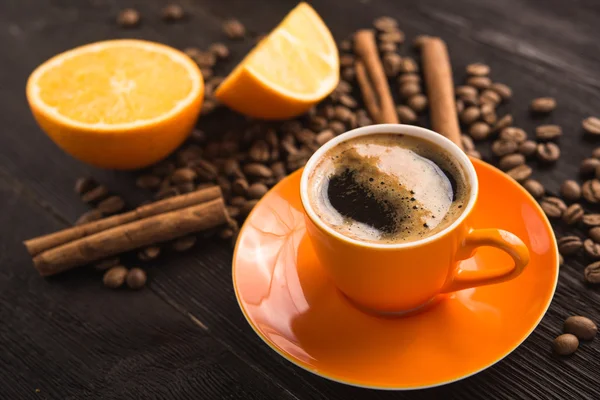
x: 119, y: 104
x: 289, y: 71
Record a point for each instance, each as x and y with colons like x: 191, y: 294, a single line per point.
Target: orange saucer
x: 289, y: 301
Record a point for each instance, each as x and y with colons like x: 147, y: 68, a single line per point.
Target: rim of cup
x: 398, y: 129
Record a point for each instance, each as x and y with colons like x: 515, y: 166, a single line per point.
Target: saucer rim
x: 298, y: 363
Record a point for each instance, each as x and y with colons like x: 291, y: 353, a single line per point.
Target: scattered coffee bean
x: 479, y: 82
x: 247, y: 207
x: 592, y: 249
x: 528, y: 148
x: 466, y: 91
x: 542, y: 105
x: 220, y: 50
x: 488, y: 114
x: 589, y: 166
x: 570, y: 190
x: 548, y: 152
x: 149, y: 253
x: 348, y: 101
x: 111, y: 205
x: 511, y: 161
x: 479, y: 130
x: 591, y: 190
x: 324, y: 137
x: 503, y: 90
x: 566, y: 344
x: 234, y: 29
x: 183, y: 243
x: 387, y: 47
x: 337, y: 127
x: 460, y: 106
x: 473, y: 153
x: 115, y: 277
x: 408, y: 66
x: 535, y: 188
x: 148, y: 181
x: 553, y: 207
x: 183, y: 175
x: 573, y: 214
x: 594, y: 234
x: 240, y: 187
x: 501, y: 148
x: 346, y: 60
x: 348, y: 73
x: 406, y: 114
x: 385, y: 24
x: 520, y: 173
x: 205, y: 170
x: 489, y: 96
x: 418, y: 103
x: 407, y: 90
x: 95, y: 195
x: 568, y: 245
x: 592, y: 273
x: 478, y: 69
x: 513, y: 133
x: 467, y: 142
x: 503, y: 122
x: 172, y: 13
x: 107, y: 263
x: 470, y: 115
x: 409, y: 78
x: 591, y: 220
x: 84, y: 185
x: 591, y: 125
x: 128, y: 18
x: 395, y: 36
x: 89, y: 216
x: 548, y: 132
x: 257, y: 190
x: 582, y: 327
x: 136, y: 278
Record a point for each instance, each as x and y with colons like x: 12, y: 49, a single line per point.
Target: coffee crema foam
x: 388, y: 188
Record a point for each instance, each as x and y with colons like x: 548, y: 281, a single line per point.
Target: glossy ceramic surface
x: 293, y: 306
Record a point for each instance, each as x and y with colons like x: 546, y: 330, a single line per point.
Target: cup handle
x: 462, y: 279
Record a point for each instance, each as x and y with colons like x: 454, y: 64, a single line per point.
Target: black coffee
x: 388, y: 188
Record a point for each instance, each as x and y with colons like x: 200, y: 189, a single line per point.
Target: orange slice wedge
x: 119, y: 104
x: 289, y: 71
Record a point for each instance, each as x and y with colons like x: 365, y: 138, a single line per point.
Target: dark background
x: 184, y: 337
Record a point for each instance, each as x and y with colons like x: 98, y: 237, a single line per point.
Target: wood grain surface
x: 184, y: 337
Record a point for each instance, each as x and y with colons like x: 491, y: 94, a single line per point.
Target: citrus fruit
x: 120, y: 104
x: 290, y: 70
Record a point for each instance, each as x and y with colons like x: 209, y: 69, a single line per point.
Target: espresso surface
x: 388, y: 188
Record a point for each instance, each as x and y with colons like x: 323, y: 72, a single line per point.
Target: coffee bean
x: 561, y: 260
x: 535, y: 188
x: 501, y: 148
x: 408, y: 90
x: 467, y: 142
x: 342, y: 113
x: 592, y: 249
x: 542, y: 105
x: 573, y: 214
x: 234, y: 29
x: 479, y: 82
x: 470, y: 115
x: 503, y: 90
x: 324, y: 137
x: 183, y: 175
x: 460, y: 106
x: 115, y: 277
x: 594, y: 234
x: 582, y: 327
x: 503, y: 122
x: 89, y: 216
x: 163, y: 169
x: 346, y: 60
x: 592, y: 273
x: 473, y: 153
x: 84, y: 185
x: 565, y: 345
x: 205, y: 59
x: 362, y: 119
x: 548, y: 152
x: 511, y: 161
x: 387, y: 47
x: 591, y: 190
x: 419, y: 41
x: 107, y: 263
x: 95, y: 195
x: 478, y: 69
x: 148, y: 253
x: 337, y: 127
x: 570, y: 190
x: 183, y: 243
x: 418, y: 103
x: 528, y: 148
x: 591, y: 220
x: 345, y: 45
x: 172, y: 13
x: 520, y: 173
x: 513, y: 133
x: 128, y: 18
x: 466, y: 91
x: 591, y: 125
x: 205, y: 170
x: 395, y: 36
x: 247, y: 207
x: 240, y: 186
x: 568, y: 245
x: 148, y: 182
x: 220, y: 50
x: 386, y: 24
x: 553, y: 207
x: 348, y: 73
x: 408, y: 66
x: 479, y: 130
x: 166, y: 193
x: 489, y: 96
x: 259, y: 151
x: 588, y: 166
x: 257, y: 190
x: 111, y: 205
x: 548, y: 132
x: 345, y: 100
x: 136, y: 278
x: 409, y: 78
x: 488, y: 114
x: 406, y: 114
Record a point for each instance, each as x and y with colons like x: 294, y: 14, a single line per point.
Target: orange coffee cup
x: 398, y: 278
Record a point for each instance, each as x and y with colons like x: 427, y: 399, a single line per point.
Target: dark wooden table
x: 184, y: 337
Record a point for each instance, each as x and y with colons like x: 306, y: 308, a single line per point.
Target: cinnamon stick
x: 46, y: 242
x: 440, y: 89
x: 130, y: 236
x: 372, y: 79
